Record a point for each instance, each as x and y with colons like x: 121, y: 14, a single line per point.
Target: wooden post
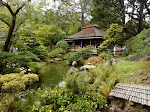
x: 81, y: 43
x: 74, y: 45
x: 90, y: 42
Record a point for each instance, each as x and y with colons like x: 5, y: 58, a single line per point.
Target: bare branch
x: 5, y: 22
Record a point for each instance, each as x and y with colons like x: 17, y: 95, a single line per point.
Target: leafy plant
x: 16, y: 82
x: 61, y: 99
x: 94, y: 60
x: 85, y: 52
x: 105, y: 79
x: 9, y: 62
x: 114, y: 36
x: 73, y: 57
x: 105, y: 56
x: 62, y: 44
x: 140, y: 43
x: 55, y: 52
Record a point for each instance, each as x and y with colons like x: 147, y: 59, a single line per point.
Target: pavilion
x: 89, y: 35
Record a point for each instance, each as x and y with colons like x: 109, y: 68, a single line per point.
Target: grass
x: 126, y: 68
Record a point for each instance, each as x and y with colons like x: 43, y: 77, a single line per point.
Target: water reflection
x: 51, y: 74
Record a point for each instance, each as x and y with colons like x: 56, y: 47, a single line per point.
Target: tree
x: 80, y: 7
x: 140, y: 11
x: 114, y: 36
x: 13, y: 9
x: 106, y: 12
x: 49, y: 35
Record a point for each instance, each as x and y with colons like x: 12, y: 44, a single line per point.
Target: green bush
x: 16, y: 82
x: 59, y: 99
x: 55, y: 52
x: 85, y: 52
x: 62, y: 44
x: 66, y: 56
x: 115, y: 35
x: 140, y: 43
x: 9, y: 62
x: 105, y: 56
x: 73, y: 57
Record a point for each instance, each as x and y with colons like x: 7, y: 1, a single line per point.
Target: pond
x: 51, y: 74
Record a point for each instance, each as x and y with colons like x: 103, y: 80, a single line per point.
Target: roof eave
x: 82, y: 38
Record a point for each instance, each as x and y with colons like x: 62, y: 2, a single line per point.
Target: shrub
x: 55, y: 52
x: 73, y: 57
x: 105, y: 56
x: 94, y: 60
x: 114, y: 36
x: 62, y: 44
x: 59, y: 99
x: 16, y: 82
x: 140, y: 43
x: 9, y: 62
x: 66, y: 56
x: 105, y: 79
x: 85, y: 53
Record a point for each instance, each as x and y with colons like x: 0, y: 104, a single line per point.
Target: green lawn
x: 128, y: 69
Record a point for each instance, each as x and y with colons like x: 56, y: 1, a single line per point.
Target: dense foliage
x: 86, y: 52
x: 16, y: 82
x: 59, y: 99
x: 11, y: 85
x: 74, y: 57
x: 62, y: 44
x: 114, y: 36
x: 105, y: 56
x: 10, y: 62
x: 140, y: 43
x: 56, y: 53
x: 94, y: 60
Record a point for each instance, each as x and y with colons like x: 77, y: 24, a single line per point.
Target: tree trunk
x: 10, y: 32
x: 82, y: 12
x: 122, y: 5
x: 141, y: 16
x: 82, y: 18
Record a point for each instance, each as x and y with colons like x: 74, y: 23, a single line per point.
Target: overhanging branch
x: 6, y: 5
x: 5, y: 22
x: 19, y: 9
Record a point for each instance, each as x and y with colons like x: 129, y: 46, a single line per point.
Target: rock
x: 133, y: 58
x: 62, y: 84
x: 81, y: 68
x: 139, y: 73
x: 89, y: 64
x: 51, y: 61
x: 57, y: 59
x: 121, y: 70
x: 72, y: 70
x: 74, y: 63
x: 147, y: 58
x: 138, y: 80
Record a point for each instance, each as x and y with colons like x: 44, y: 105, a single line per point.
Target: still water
x: 51, y: 74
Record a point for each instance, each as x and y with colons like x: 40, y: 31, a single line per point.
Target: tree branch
x: 5, y: 22
x: 18, y: 9
x: 6, y: 5
x: 16, y: 28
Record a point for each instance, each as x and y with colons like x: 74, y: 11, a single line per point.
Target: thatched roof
x: 135, y: 93
x: 89, y: 31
